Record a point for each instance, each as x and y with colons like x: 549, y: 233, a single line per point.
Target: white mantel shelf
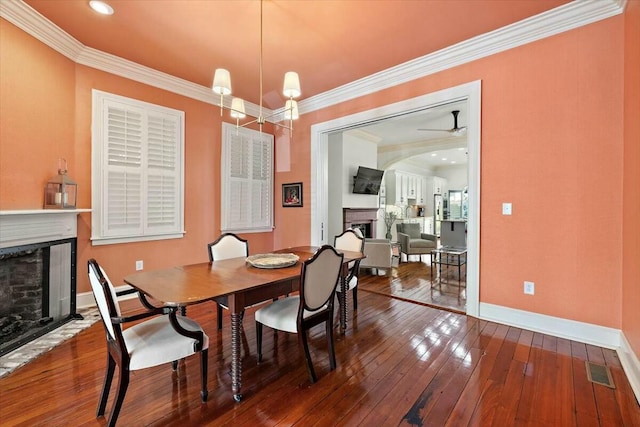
x: 23, y: 227
x: 43, y: 211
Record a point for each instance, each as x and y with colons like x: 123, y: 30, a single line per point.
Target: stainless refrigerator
x: 438, y: 212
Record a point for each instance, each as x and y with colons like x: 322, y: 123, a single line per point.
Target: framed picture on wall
x: 292, y: 195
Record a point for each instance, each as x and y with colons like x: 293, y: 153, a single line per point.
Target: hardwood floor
x: 399, y: 363
x: 412, y: 282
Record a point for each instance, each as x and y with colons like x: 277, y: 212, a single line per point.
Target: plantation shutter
x: 123, y: 204
x: 247, y: 180
x: 137, y: 171
x: 162, y: 179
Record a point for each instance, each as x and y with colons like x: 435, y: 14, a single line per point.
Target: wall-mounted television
x: 367, y: 181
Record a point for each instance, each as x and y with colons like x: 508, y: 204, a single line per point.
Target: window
x: 247, y: 180
x: 137, y: 171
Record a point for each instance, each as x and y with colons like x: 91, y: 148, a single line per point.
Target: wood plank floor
x: 399, y: 363
x: 412, y: 282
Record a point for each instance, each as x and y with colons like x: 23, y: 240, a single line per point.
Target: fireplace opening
x: 37, y: 290
x: 362, y: 218
x: 365, y: 229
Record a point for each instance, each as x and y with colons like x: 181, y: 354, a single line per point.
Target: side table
x: 448, y: 256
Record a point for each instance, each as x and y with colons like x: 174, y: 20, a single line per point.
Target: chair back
x: 319, y: 278
x: 411, y: 229
x: 349, y: 241
x: 106, y: 299
x: 228, y: 245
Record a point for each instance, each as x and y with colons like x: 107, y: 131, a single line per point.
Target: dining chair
x: 349, y: 240
x: 312, y: 306
x: 165, y: 338
x: 228, y: 245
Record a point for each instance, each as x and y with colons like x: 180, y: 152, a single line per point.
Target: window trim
x: 98, y: 189
x: 228, y: 130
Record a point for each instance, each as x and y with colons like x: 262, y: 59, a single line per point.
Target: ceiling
x: 329, y: 43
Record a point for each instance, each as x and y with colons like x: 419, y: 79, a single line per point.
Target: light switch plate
x: 506, y: 209
x: 529, y: 288
x: 139, y: 265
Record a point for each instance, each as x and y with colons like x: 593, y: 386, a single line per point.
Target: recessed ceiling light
x: 461, y: 148
x: 101, y: 7
x: 453, y: 161
x: 444, y: 158
x: 433, y: 154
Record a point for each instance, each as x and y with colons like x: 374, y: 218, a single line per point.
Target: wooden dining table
x: 243, y: 284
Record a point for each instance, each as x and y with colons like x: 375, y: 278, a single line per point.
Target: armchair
x: 379, y: 254
x: 413, y: 242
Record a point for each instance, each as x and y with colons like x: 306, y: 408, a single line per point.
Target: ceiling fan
x: 455, y: 130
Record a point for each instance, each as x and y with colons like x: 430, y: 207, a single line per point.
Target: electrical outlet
x: 529, y: 288
x: 139, y: 265
x: 506, y: 209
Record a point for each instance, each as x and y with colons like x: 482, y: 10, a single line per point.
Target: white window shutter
x: 247, y: 180
x: 137, y: 170
x: 123, y: 171
x: 163, y: 193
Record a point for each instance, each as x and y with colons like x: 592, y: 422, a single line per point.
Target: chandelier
x: 291, y: 89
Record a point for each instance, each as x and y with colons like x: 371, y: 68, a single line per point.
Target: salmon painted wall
x: 552, y: 144
x: 35, y: 78
x: 631, y: 193
x: 36, y: 117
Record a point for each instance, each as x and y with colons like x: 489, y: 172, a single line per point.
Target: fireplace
x: 37, y: 274
x: 362, y: 218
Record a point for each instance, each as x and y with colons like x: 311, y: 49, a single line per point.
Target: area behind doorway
x: 411, y: 281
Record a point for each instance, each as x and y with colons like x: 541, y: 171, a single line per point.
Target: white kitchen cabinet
x: 428, y: 225
x: 421, y: 184
x: 393, y: 188
x: 403, y: 186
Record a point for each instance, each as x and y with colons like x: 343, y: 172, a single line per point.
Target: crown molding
x: 563, y: 18
x: 29, y: 20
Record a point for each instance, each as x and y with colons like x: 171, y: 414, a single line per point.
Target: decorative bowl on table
x: 273, y: 260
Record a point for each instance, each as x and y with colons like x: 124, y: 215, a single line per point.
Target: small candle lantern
x: 60, y: 192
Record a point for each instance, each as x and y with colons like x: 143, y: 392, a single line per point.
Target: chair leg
x: 108, y: 377
x: 305, y: 346
x: 332, y: 352
x: 123, y: 383
x: 174, y: 365
x: 204, y: 361
x: 219, y: 317
x: 259, y: 340
x: 355, y: 298
x: 183, y: 310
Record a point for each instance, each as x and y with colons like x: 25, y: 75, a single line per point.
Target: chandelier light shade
x: 222, y: 82
x: 237, y: 109
x: 222, y: 85
x: 290, y: 89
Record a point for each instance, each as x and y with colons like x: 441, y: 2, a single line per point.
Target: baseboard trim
x: 563, y: 328
x: 630, y: 364
x: 570, y: 329
x: 85, y: 299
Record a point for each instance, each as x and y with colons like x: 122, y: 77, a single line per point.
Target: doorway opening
x: 469, y: 92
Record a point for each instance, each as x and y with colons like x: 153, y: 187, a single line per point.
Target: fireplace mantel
x: 360, y: 216
x: 23, y: 227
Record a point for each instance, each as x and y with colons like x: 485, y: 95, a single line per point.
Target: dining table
x: 241, y: 282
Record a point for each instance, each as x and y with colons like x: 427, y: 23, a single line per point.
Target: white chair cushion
x: 283, y: 314
x: 155, y: 342
x: 352, y: 284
